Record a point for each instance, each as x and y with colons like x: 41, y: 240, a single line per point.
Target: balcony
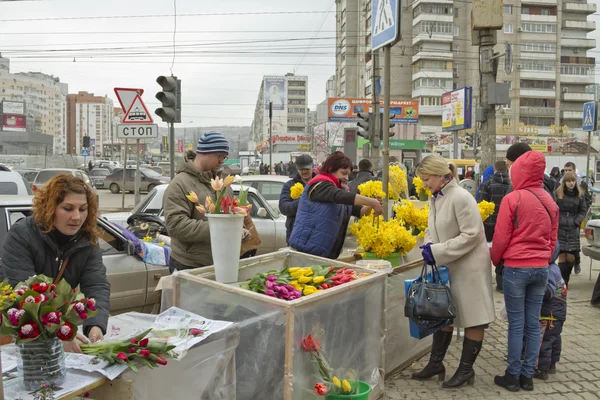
x: 583, y: 8
x: 537, y: 111
x: 540, y: 2
x: 578, y: 79
x: 581, y: 43
x: 430, y: 110
x: 432, y: 55
x: 587, y: 26
x: 418, y: 2
x: 434, y: 37
x: 538, y: 18
x: 526, y: 74
x: 432, y: 73
x: 429, y: 92
x: 578, y: 115
x: 579, y: 97
x: 544, y: 93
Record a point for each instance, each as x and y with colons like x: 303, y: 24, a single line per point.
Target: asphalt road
x: 112, y: 202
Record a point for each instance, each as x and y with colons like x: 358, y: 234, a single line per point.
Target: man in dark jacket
x: 365, y: 174
x: 494, y: 189
x: 287, y: 205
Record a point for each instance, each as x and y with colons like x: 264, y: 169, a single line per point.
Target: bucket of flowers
x: 41, y: 315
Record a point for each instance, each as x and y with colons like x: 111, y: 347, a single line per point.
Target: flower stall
x: 281, y: 298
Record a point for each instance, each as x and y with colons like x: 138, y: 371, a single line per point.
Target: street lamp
x: 184, y: 131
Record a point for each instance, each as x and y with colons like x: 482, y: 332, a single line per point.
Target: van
x: 462, y: 166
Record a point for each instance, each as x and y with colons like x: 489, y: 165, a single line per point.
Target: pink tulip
x: 144, y: 342
x: 271, y: 277
x: 122, y: 356
x: 269, y: 284
x: 145, y: 353
x: 196, y: 332
x: 269, y: 292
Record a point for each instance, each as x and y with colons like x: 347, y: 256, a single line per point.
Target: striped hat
x: 212, y: 142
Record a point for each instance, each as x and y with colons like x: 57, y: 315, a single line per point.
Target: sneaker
x: 577, y: 269
x: 543, y: 375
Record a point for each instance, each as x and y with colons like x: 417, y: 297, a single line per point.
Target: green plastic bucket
x: 395, y: 258
x: 363, y: 393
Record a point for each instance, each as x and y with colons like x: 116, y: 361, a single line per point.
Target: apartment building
x: 289, y: 97
x: 89, y: 115
x: 552, y: 68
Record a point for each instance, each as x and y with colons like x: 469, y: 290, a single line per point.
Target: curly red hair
x: 47, y: 199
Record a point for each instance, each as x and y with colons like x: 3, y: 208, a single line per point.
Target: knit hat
x: 212, y: 142
x: 517, y: 150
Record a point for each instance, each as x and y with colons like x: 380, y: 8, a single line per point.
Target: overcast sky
x: 219, y: 58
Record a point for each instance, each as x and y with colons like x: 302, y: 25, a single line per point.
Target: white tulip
x: 237, y: 179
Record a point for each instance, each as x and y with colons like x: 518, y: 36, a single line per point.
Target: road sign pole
x: 387, y: 62
x: 124, y: 175
x: 137, y: 171
x: 270, y: 138
x: 172, y: 149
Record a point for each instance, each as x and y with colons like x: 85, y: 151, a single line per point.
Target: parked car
x: 28, y: 173
x: 232, y: 169
x: 149, y: 180
x: 45, y: 174
x: 98, y: 176
x: 592, y: 234
x: 11, y: 182
x: 132, y: 281
x: 269, y: 223
x: 269, y: 186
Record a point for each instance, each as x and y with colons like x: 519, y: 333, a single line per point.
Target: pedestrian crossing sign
x: 385, y: 27
x: 589, y: 116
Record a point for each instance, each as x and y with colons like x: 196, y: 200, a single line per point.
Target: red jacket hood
x: 528, y: 170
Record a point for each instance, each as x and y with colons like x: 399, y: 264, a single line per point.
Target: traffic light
x: 470, y: 139
x: 86, y: 142
x: 366, y: 124
x: 170, y: 97
x: 392, y: 116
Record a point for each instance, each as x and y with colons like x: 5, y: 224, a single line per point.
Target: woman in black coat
x: 62, y: 232
x: 572, y: 206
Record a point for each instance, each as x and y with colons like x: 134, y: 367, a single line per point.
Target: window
x: 534, y: 65
x: 44, y: 176
x: 534, y: 84
x: 151, y: 204
x: 508, y: 28
x: 507, y: 106
x: 456, y: 30
x: 539, y: 28
x: 537, y: 102
x: 431, y: 27
x: 439, y: 83
x: 538, y: 121
x: 430, y: 101
x: 508, y: 9
x: 539, y: 47
x: 9, y: 188
x: 270, y: 190
x: 296, y: 128
x: 577, y: 69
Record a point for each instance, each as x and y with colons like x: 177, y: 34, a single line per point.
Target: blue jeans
x: 523, y: 295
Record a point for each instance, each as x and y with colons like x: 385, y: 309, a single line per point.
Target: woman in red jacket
x: 524, y: 240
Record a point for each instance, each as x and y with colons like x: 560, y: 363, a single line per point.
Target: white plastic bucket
x: 225, y: 243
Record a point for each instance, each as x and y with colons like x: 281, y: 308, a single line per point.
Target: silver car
x: 269, y: 223
x: 132, y: 281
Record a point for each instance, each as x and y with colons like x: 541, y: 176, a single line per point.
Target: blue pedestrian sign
x: 385, y: 28
x: 589, y: 116
x: 85, y: 152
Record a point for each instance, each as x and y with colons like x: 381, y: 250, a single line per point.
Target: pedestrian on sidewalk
x: 572, y: 205
x: 524, y: 240
x: 365, y: 174
x: 455, y: 238
x: 571, y: 167
x: 552, y: 319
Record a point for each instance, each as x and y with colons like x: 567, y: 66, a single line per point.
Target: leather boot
x: 465, y: 373
x: 508, y: 382
x: 441, y: 341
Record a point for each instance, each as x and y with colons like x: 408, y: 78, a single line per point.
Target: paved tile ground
x: 578, y: 373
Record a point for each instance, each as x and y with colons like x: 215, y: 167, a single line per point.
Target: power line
x: 316, y: 34
x: 174, y: 33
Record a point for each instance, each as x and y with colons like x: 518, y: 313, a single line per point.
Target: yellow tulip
x: 336, y: 381
x: 229, y: 180
x: 346, y: 386
x: 296, y: 274
x: 193, y: 197
x: 304, y: 279
x: 307, y: 271
x: 201, y: 209
x: 309, y: 289
x: 318, y: 279
x: 294, y: 269
x: 216, y: 184
x: 294, y: 282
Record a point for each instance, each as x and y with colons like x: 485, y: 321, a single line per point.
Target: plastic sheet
x: 270, y: 362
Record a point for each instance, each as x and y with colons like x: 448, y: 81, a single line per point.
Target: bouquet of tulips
x: 136, y: 350
x: 223, y: 203
x: 40, y: 310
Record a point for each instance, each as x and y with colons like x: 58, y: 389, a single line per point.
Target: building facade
x: 89, y: 115
x: 290, y: 126
x: 551, y: 70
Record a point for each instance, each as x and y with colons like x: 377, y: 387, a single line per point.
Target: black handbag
x: 428, y: 298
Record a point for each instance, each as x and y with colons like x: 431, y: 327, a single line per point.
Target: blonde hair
x: 569, y: 177
x: 435, y: 165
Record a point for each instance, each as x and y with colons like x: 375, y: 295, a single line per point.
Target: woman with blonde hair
x: 60, y: 240
x: 572, y: 209
x: 455, y: 238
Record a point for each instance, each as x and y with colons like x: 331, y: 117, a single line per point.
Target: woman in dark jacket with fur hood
x: 572, y: 205
x: 61, y: 233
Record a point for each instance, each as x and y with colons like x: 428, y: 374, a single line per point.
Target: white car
x: 269, y: 223
x: 269, y: 186
x: 11, y: 182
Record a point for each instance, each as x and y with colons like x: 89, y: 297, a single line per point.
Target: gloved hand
x: 427, y: 254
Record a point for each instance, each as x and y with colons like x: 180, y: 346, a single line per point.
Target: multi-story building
x: 289, y: 97
x: 89, y: 115
x: 551, y: 70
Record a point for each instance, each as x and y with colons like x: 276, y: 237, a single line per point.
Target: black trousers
x: 176, y: 265
x: 499, y: 281
x: 596, y: 292
x: 551, y: 345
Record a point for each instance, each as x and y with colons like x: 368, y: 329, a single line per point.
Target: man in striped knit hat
x: 188, y: 228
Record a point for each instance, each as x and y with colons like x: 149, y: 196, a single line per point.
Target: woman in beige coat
x: 455, y: 238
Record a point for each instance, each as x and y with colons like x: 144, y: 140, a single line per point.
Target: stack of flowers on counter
x: 381, y: 237
x: 414, y: 219
x: 345, y: 383
x: 293, y: 283
x: 296, y: 191
x: 486, y: 208
x: 40, y: 310
x: 134, y: 351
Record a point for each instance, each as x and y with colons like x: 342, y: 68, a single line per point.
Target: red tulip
x: 309, y: 344
x: 132, y: 350
x: 144, y: 342
x: 321, y: 389
x: 158, y: 359
x: 134, y: 341
x: 122, y: 356
x: 145, y: 353
x: 196, y: 332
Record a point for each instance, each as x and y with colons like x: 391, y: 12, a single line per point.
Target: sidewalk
x: 578, y: 373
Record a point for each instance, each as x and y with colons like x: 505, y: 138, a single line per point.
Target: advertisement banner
x: 278, y: 128
x: 17, y: 123
x: 457, y: 109
x: 13, y: 107
x: 275, y: 92
x: 180, y: 146
x: 346, y: 110
x: 290, y: 138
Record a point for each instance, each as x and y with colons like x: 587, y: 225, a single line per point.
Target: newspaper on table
x: 75, y: 380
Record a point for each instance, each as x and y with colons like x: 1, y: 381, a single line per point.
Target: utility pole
x: 385, y: 148
x: 489, y: 69
x: 270, y: 137
x: 374, y: 144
